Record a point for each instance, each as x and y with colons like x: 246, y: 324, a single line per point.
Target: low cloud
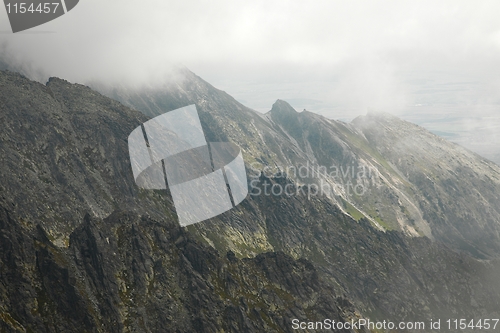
x: 348, y: 56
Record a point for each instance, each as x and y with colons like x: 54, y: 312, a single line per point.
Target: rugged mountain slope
x: 65, y: 156
x: 386, y: 275
x: 367, y: 185
x: 133, y: 274
x: 64, y: 147
x: 457, y: 191
x: 391, y: 201
x: 392, y: 164
x: 267, y: 143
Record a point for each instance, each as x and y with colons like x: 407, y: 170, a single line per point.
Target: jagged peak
x: 283, y: 107
x: 56, y: 79
x: 283, y: 111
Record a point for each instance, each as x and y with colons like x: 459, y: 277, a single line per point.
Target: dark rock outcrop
x: 129, y: 273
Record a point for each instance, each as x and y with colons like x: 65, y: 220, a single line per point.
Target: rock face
x: 411, y: 180
x: 66, y: 159
x: 61, y: 144
x: 83, y: 249
x: 457, y: 191
x: 393, y: 201
x: 131, y: 274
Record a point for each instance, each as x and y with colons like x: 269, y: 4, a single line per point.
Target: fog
x: 423, y: 61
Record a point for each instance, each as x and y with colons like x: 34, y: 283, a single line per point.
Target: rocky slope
x: 396, y: 174
x: 457, y: 191
x: 66, y: 159
x: 129, y: 267
x: 392, y: 201
x: 65, y: 148
x: 132, y: 274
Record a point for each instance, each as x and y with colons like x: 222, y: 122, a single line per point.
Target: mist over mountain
x: 84, y: 249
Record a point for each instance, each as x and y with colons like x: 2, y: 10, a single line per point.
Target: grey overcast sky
x: 436, y: 63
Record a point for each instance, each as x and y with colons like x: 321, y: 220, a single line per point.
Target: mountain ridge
x: 389, y: 274
x: 284, y: 138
